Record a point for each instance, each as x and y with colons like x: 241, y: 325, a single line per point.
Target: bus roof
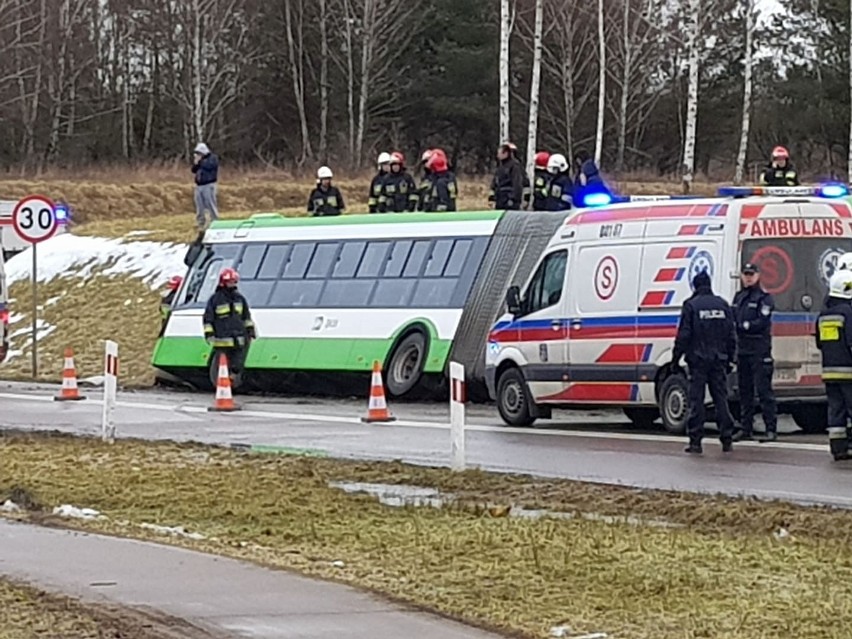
x: 272, y: 220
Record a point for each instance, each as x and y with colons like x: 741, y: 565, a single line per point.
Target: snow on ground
x: 79, y: 256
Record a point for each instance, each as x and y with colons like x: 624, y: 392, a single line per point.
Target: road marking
x: 480, y: 428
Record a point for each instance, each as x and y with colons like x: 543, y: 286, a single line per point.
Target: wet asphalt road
x: 597, y: 446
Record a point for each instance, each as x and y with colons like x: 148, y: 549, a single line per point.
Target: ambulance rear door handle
x: 576, y: 323
x: 556, y: 324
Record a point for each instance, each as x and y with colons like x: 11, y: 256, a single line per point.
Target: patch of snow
x: 79, y: 256
x: 72, y: 512
x: 14, y: 318
x: 174, y: 531
x: 95, y: 380
x: 338, y: 564
x: 781, y: 534
x: 128, y: 302
x: 137, y: 233
x: 560, y: 631
x: 397, y: 495
x: 9, y: 506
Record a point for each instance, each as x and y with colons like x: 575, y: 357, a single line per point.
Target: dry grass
x: 144, y: 196
x: 722, y: 576
x: 27, y: 613
x: 86, y: 313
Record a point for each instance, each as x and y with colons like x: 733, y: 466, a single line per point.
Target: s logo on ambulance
x: 701, y: 261
x: 828, y: 263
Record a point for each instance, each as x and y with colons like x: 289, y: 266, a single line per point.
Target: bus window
x: 397, y: 258
x: 273, y: 262
x: 250, y: 263
x: 393, y: 293
x: 324, y: 257
x: 347, y: 293
x: 297, y: 261
x: 348, y: 260
x: 298, y: 294
x: 438, y: 258
x: 418, y: 256
x: 434, y: 293
x: 204, y: 275
x: 374, y: 259
x: 456, y: 262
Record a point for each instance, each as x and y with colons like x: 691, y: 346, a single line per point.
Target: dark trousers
x: 755, y: 372
x: 839, y: 411
x: 236, y: 359
x: 701, y: 376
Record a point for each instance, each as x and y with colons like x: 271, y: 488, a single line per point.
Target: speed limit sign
x: 34, y: 219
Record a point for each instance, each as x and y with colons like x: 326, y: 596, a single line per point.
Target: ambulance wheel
x: 674, y: 404
x: 405, y: 366
x: 811, y: 418
x: 642, y: 417
x: 513, y: 399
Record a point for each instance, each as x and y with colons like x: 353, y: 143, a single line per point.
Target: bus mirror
x: 513, y: 300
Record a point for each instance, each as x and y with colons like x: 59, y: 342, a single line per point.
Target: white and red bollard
x: 458, y: 397
x: 110, y: 390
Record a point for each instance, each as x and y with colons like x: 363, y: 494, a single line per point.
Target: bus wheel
x: 513, y: 399
x: 674, y: 404
x: 642, y: 417
x: 811, y: 418
x: 236, y: 380
x: 406, y: 364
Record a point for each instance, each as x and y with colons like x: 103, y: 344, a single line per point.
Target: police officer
x: 780, y: 172
x: 507, y: 187
x: 373, y: 201
x: 560, y: 188
x: 834, y: 339
x: 707, y: 337
x: 399, y: 192
x: 753, y: 309
x: 425, y: 182
x: 228, y: 326
x: 325, y: 199
x: 541, y: 180
x: 442, y: 197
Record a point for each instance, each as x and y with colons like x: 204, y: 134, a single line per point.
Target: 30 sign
x: 34, y: 219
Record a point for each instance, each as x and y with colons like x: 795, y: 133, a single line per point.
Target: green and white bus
x: 330, y: 295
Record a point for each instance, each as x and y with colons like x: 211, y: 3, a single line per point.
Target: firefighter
x: 444, y: 192
x: 753, y: 309
x: 228, y: 326
x: 541, y: 181
x: 325, y: 199
x: 707, y: 337
x: 834, y: 340
x: 507, y: 187
x: 399, y: 192
x: 780, y: 172
x: 168, y: 298
x: 560, y: 189
x: 425, y: 182
x: 374, y: 200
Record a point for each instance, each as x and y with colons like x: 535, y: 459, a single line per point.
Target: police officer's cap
x: 750, y: 269
x: 701, y: 280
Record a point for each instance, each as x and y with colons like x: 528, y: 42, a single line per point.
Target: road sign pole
x: 35, y: 311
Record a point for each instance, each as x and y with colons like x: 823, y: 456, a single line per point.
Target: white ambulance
x: 595, y: 324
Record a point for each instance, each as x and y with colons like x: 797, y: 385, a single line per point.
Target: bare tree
x: 692, y: 95
x: 505, y: 37
x: 535, y: 85
x: 323, y: 81
x: 750, y: 21
x: 295, y: 51
x: 601, y: 83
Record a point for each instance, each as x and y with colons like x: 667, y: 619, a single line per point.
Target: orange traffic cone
x: 377, y: 410
x: 224, y: 402
x: 69, y: 392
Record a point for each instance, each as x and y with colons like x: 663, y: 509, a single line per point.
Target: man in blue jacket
x: 205, y: 166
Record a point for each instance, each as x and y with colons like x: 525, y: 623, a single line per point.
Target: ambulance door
x: 603, y: 348
x: 543, y: 327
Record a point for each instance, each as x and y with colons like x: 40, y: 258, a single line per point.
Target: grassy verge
x: 721, y: 574
x: 27, y: 613
x: 121, y: 308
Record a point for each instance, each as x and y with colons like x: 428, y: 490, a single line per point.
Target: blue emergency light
x: 596, y: 199
x: 829, y: 190
x: 60, y: 212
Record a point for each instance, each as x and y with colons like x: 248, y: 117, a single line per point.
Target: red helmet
x: 397, y: 158
x: 541, y: 159
x: 437, y: 162
x: 228, y: 276
x: 780, y: 152
x: 174, y: 283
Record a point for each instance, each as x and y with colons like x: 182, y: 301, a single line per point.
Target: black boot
x: 743, y: 436
x: 694, y: 449
x: 771, y: 436
x: 727, y: 446
x: 838, y: 443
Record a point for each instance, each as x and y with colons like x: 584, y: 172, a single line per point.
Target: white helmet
x: 384, y: 158
x: 844, y: 262
x: 557, y: 163
x: 324, y: 172
x: 841, y: 285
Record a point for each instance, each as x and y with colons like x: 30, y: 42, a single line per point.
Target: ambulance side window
x: 545, y: 287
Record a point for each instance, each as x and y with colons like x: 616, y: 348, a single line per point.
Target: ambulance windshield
x: 796, y: 270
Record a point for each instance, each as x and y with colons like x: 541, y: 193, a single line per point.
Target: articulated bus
x: 331, y: 295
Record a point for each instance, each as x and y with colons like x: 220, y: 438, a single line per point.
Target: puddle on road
x: 401, y: 496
